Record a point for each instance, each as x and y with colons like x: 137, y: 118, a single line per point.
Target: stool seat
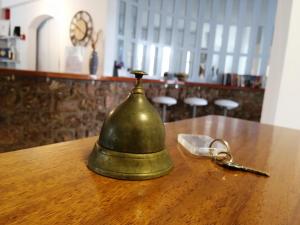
x: 226, y: 103
x: 194, y: 101
x: 165, y: 100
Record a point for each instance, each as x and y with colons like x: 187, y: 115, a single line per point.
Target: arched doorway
x: 43, y: 46
x: 47, y: 52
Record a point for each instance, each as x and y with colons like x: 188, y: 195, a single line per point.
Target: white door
x: 47, y: 57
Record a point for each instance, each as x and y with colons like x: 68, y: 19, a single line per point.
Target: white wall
x: 281, y: 103
x: 11, y: 3
x: 111, y: 37
x: 26, y: 14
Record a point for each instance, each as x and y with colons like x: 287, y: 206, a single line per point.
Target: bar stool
x: 195, y: 102
x: 226, y: 104
x: 164, y: 101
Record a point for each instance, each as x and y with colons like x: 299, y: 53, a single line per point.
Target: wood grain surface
x: 52, y: 185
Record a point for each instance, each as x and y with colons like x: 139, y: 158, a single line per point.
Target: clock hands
x: 79, y: 28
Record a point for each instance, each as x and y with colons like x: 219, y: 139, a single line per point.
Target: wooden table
x: 51, y: 184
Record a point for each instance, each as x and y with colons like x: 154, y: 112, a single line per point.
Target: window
x: 195, y: 36
x: 165, y: 60
x: 231, y: 39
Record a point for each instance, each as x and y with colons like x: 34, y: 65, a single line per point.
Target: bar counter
x: 52, y: 185
x: 86, y: 77
x: 38, y: 108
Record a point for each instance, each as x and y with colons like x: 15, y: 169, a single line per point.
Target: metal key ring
x: 225, y: 143
x: 228, y: 157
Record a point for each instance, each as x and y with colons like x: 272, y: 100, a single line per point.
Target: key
x: 225, y: 159
x: 235, y: 166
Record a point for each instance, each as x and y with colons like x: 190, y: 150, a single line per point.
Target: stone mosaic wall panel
x: 38, y: 111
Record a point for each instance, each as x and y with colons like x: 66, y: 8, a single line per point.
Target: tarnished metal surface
x: 132, y: 140
x: 129, y: 166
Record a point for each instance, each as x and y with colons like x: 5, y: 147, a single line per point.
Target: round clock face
x: 81, y: 28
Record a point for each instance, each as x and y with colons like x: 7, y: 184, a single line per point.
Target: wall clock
x: 81, y: 28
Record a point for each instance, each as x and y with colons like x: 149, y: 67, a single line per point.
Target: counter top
x: 86, y: 77
x: 52, y: 185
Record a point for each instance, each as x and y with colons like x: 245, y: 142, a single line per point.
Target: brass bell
x: 131, y: 145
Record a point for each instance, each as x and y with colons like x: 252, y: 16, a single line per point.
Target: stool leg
x: 194, y: 111
x: 225, y: 111
x: 164, y: 113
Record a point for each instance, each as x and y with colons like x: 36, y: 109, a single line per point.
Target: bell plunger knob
x: 138, y: 73
x: 138, y: 89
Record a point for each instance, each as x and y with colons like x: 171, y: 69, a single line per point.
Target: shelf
x: 7, y: 61
x: 8, y: 38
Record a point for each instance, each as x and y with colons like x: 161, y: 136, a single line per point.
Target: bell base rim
x: 129, y: 166
x: 133, y: 177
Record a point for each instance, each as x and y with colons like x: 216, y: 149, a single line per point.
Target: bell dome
x: 133, y: 127
x: 132, y: 140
